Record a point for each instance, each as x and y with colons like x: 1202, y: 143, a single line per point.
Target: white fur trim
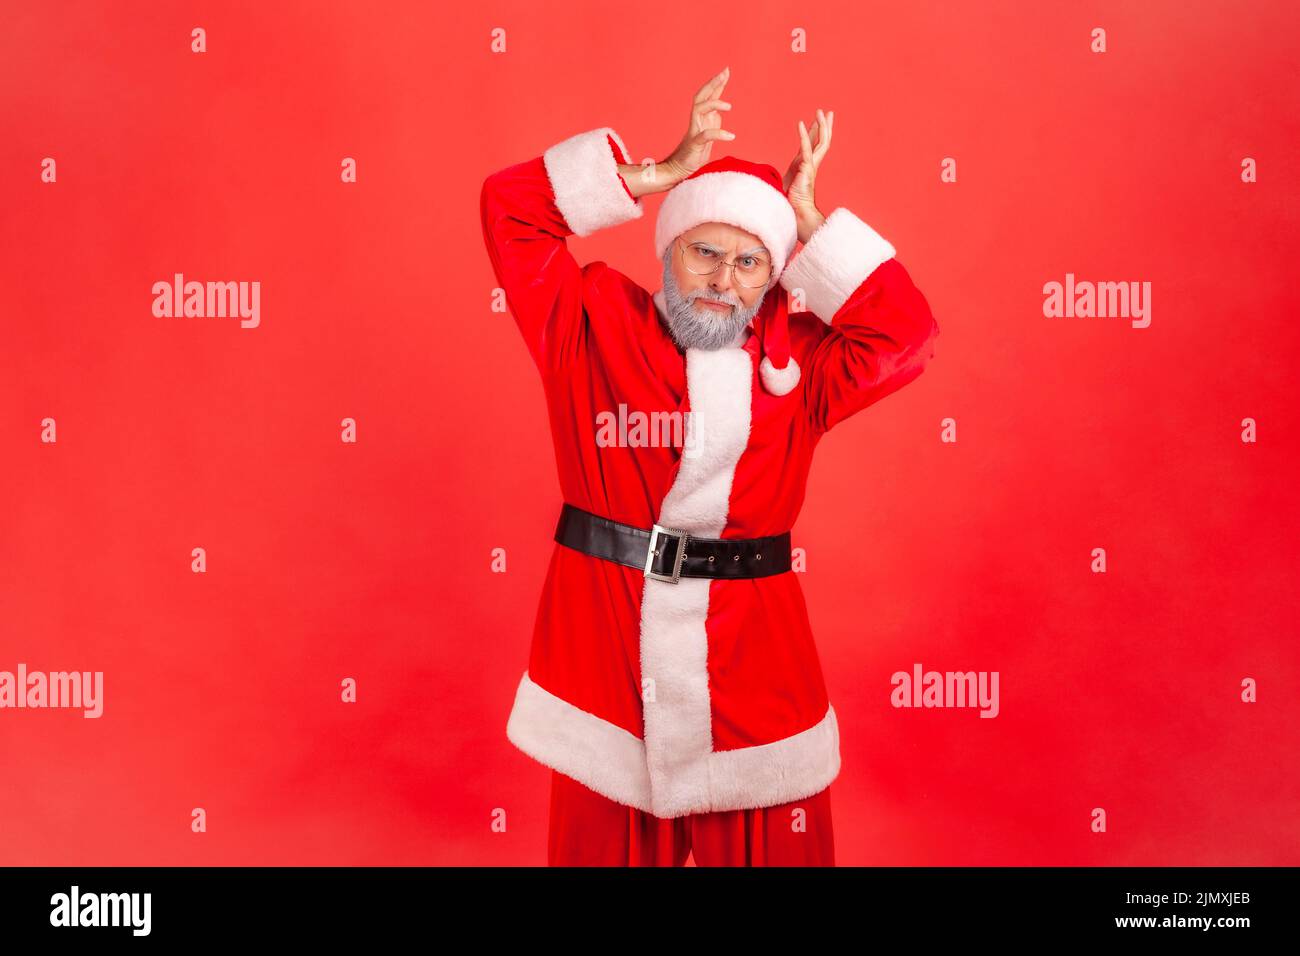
x: 798, y: 766
x: 674, y: 644
x: 607, y: 759
x: 584, y: 177
x: 839, y: 256
x: 779, y: 381
x: 736, y: 198
x: 591, y: 750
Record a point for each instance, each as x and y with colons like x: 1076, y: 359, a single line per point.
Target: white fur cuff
x: 584, y: 177
x: 839, y: 256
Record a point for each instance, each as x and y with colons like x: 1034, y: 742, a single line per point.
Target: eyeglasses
x: 702, y: 259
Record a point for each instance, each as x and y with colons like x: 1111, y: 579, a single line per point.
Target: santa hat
x: 749, y: 196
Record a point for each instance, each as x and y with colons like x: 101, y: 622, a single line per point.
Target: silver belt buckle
x: 682, y: 537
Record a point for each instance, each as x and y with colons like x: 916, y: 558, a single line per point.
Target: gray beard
x: 692, y: 331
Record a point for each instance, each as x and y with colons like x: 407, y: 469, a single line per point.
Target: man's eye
x: 749, y: 262
x: 706, y: 252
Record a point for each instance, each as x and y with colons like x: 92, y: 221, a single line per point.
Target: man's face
x: 712, y: 311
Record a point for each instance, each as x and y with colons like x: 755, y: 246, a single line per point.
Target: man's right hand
x: 704, y: 127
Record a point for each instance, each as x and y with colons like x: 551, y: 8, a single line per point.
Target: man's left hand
x: 801, y: 177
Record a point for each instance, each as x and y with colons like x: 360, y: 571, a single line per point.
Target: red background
x: 327, y: 560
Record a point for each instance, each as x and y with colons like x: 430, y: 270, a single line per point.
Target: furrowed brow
x: 747, y: 252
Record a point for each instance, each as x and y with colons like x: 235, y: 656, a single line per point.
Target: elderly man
x: 673, y: 686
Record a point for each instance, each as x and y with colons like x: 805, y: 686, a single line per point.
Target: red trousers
x: 587, y: 829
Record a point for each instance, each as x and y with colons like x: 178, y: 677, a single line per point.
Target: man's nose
x: 722, y: 279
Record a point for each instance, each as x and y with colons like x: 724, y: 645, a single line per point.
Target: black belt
x: 670, y: 553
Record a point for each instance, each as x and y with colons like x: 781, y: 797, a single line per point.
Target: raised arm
x: 882, y: 331
x: 585, y: 183
x: 529, y: 210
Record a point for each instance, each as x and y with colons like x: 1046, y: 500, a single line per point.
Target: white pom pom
x: 779, y: 381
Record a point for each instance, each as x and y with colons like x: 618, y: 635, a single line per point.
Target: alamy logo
x: 949, y: 689
x: 200, y: 300
x: 84, y: 689
x: 102, y: 909
x: 639, y: 429
x: 1103, y: 300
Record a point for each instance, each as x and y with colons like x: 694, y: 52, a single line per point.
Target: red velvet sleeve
x: 881, y: 339
x: 881, y: 331
x: 525, y: 237
x: 528, y: 211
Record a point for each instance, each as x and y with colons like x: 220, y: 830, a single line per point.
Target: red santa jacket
x: 703, y: 695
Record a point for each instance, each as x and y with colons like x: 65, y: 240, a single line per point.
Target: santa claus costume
x: 684, y: 707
